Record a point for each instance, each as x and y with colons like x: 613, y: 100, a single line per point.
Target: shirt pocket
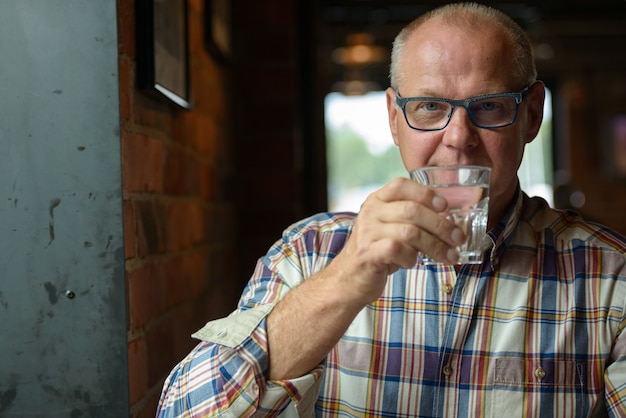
x: 532, y: 388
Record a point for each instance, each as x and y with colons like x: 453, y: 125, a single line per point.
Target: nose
x: 460, y: 132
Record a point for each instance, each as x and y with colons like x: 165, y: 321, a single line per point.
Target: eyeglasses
x: 486, y: 111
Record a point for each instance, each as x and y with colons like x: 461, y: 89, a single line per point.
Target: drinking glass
x: 466, y: 188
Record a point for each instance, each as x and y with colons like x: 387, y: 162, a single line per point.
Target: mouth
x: 458, y: 164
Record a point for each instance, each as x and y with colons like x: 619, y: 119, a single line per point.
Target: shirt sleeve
x: 615, y: 372
x: 225, y: 375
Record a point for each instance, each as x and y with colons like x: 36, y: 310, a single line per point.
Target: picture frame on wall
x: 162, y: 49
x: 217, y: 28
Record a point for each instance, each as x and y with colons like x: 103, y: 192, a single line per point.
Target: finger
x: 414, y: 220
x: 399, y: 244
x: 402, y: 220
x: 400, y: 189
x: 403, y: 242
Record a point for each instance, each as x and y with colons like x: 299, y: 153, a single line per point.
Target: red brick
x: 130, y: 230
x: 204, y: 137
x: 162, y: 341
x: 137, y: 369
x: 153, y: 112
x: 126, y: 28
x: 183, y: 173
x: 146, y: 408
x: 150, y: 221
x: 125, y: 90
x: 197, y: 269
x: 186, y: 225
x: 144, y: 295
x: 174, y: 290
x: 142, y: 163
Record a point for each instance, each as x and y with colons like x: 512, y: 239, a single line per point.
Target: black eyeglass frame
x: 518, y: 96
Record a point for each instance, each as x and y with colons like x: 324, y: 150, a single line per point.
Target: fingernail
x: 457, y: 236
x: 452, y: 255
x: 439, y: 203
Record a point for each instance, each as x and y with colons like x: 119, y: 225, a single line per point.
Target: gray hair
x: 475, y: 16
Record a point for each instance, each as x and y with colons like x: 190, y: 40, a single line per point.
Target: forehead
x: 457, y: 59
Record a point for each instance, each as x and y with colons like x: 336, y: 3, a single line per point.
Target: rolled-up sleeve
x: 225, y: 375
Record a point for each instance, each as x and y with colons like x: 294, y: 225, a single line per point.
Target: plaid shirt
x: 535, y: 331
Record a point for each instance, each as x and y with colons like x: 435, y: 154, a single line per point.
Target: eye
x: 432, y: 106
x: 426, y: 107
x: 488, y: 106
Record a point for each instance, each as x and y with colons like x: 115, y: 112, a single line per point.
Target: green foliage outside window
x: 353, y: 166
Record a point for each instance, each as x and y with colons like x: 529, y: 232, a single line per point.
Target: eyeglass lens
x: 487, y: 113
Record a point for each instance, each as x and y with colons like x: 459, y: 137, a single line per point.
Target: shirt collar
x: 500, y: 234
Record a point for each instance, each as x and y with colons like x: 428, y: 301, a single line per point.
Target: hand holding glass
x: 466, y: 188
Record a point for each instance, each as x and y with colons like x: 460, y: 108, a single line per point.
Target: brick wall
x: 206, y: 191
x: 179, y: 213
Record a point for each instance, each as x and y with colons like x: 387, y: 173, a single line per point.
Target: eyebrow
x: 429, y: 94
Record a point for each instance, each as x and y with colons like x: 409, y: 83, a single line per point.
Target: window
x: 536, y: 171
x: 361, y: 155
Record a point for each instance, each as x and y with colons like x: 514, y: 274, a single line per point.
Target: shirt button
x: 447, y: 288
x: 447, y: 370
x: 222, y: 333
x: 540, y: 373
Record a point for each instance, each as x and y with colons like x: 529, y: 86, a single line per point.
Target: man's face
x: 453, y: 63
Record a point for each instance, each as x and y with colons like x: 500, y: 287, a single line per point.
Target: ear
x: 535, y: 101
x: 393, y: 113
